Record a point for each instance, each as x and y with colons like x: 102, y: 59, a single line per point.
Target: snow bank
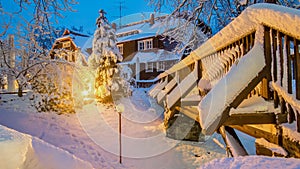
x: 19, y: 150
x: 261, y: 162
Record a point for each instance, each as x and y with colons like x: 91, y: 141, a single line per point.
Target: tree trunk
x: 20, y: 91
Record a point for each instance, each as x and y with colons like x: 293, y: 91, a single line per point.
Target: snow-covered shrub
x: 53, y: 91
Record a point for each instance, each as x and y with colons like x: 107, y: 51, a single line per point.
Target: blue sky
x: 87, y: 11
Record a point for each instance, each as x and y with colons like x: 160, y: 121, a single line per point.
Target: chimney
x: 114, y: 26
x: 152, y: 19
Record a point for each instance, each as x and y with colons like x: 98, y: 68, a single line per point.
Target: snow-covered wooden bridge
x: 246, y: 77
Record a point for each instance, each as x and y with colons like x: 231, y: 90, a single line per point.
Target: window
x: 149, y: 44
x: 141, y: 45
x: 160, y: 66
x: 120, y: 48
x: 149, y: 67
x: 145, y: 44
x: 66, y: 44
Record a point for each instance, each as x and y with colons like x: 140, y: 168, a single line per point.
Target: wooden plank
x: 162, y: 95
x: 232, y: 141
x: 251, y: 118
x: 266, y: 131
x: 183, y: 88
x: 190, y: 111
x: 158, y: 88
x: 244, y: 93
x: 297, y: 68
x: 191, y: 100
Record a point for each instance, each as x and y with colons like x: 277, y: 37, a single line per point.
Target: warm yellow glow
x: 85, y: 93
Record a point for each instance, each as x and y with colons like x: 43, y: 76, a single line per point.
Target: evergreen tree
x: 104, y: 58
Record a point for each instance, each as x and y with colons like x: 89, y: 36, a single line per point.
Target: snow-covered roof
x: 78, y: 38
x: 153, y: 55
x: 135, y: 18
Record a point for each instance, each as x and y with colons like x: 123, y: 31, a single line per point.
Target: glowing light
x: 85, y: 93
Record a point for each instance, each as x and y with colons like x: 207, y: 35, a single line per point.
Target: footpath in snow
x: 91, y: 135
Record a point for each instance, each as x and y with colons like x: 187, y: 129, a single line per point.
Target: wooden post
x: 298, y: 121
x: 279, y: 41
x: 232, y: 141
x: 291, y: 114
x: 268, y: 58
x: 274, y: 46
x: 289, y: 62
x: 11, y: 62
x: 120, y: 137
x: 297, y: 68
x: 120, y: 110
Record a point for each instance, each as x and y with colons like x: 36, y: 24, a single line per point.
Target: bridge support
x: 181, y: 127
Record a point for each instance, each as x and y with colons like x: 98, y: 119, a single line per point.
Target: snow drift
x: 19, y: 150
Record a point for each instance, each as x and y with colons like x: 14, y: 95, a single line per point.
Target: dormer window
x: 66, y: 44
x: 145, y: 44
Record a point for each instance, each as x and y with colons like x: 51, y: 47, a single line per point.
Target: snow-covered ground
x: 86, y: 135
x: 91, y: 137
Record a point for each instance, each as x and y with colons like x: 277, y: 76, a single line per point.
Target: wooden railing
x: 265, y: 50
x: 283, y: 52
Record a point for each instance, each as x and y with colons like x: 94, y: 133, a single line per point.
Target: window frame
x: 149, y: 68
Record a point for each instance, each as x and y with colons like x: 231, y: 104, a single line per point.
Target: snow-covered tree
x: 206, y: 14
x: 104, y: 58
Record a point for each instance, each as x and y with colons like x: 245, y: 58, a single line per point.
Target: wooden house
x: 68, y: 46
x: 142, y: 46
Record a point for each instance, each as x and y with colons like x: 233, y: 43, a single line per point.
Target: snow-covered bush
x: 53, y: 91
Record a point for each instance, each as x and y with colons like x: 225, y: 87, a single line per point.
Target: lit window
x: 66, y: 44
x: 120, y: 48
x: 149, y: 67
x: 160, y: 66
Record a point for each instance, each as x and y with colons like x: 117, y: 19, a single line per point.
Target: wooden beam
x: 266, y: 131
x: 232, y: 141
x: 251, y: 118
x: 190, y: 111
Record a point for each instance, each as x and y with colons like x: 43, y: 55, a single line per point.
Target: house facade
x: 144, y: 50
x: 68, y: 46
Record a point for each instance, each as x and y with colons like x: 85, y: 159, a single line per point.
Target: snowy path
x: 70, y: 133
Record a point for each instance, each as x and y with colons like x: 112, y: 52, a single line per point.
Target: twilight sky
x: 87, y: 11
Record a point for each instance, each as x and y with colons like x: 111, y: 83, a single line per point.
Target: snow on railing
x: 219, y: 54
x: 283, y: 50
